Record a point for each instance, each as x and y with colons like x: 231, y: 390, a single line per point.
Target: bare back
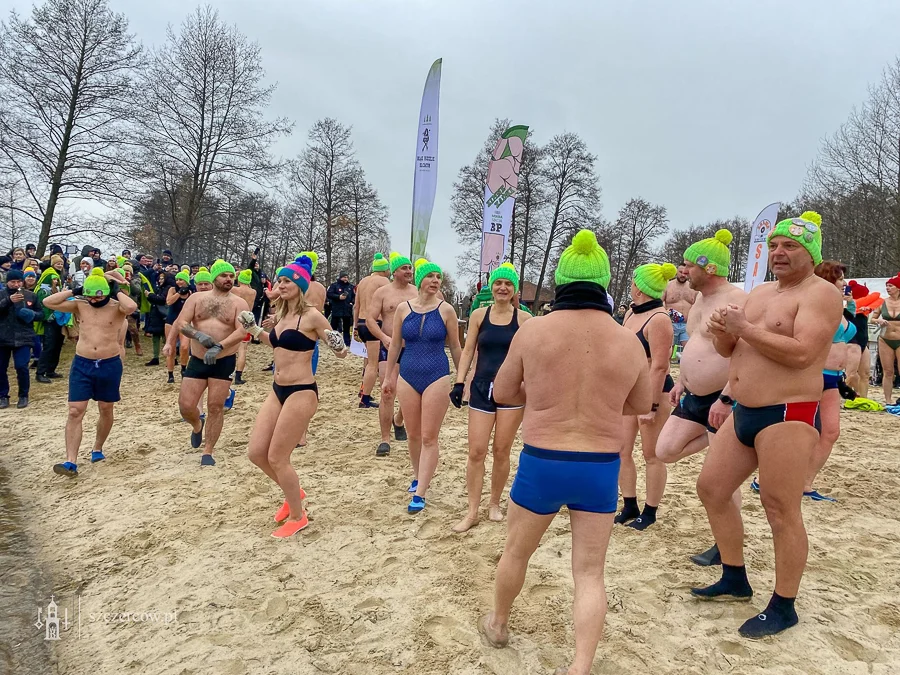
x: 580, y: 369
x: 679, y: 296
x: 245, y: 293
x: 802, y: 312
x: 703, y: 370
x: 215, y: 314
x: 98, y: 329
x: 365, y: 290
x: 386, y: 300
x: 315, y: 295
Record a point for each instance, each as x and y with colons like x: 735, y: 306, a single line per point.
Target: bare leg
x: 851, y: 364
x: 590, y: 538
x: 410, y: 399
x: 480, y: 425
x: 864, y: 373
x: 522, y: 539
x: 656, y: 473
x: 830, y: 413
x: 628, y: 472
x: 680, y: 438
x: 104, y: 424
x: 241, y: 357
x: 781, y: 477
x: 74, y: 429
x: 434, y: 407
x: 728, y: 464
x: 189, y: 399
x: 370, y: 375
x: 386, y: 407
x: 292, y: 423
x: 170, y: 359
x: 215, y: 411
x: 398, y: 418
x: 261, y: 436
x: 886, y: 354
x: 508, y: 422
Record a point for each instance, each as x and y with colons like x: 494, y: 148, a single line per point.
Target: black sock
x: 238, y: 373
x: 366, y: 399
x: 778, y: 615
x: 646, y: 519
x: 630, y: 510
x: 733, y: 584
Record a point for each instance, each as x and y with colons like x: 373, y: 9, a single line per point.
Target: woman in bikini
x: 284, y: 417
x: 425, y: 324
x: 650, y: 321
x: 491, y: 330
x: 889, y: 342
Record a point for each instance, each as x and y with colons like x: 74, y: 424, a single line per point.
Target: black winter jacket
x: 13, y: 331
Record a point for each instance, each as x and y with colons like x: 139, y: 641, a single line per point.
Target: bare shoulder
x: 736, y: 295
x: 523, y: 316
x: 824, y: 293
x: 477, y: 315
x: 238, y: 303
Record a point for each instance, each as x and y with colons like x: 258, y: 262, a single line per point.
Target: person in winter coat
x: 341, y: 295
x: 84, y: 268
x: 136, y: 293
x: 52, y: 323
x: 18, y: 309
x: 18, y: 259
x: 155, y: 324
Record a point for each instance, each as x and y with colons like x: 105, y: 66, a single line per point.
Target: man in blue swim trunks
x: 577, y: 371
x: 778, y: 344
x: 100, y: 307
x: 679, y: 298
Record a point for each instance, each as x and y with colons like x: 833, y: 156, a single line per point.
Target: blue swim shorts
x: 548, y: 479
x: 95, y: 379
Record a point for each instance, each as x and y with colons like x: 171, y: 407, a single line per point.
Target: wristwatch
x: 727, y: 400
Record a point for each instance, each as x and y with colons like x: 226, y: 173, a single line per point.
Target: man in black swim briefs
x: 701, y: 394
x: 381, y: 270
x: 778, y: 344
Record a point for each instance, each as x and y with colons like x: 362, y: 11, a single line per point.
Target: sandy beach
x: 369, y: 589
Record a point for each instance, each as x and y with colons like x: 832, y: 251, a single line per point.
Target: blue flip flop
x: 416, y: 504
x: 816, y: 497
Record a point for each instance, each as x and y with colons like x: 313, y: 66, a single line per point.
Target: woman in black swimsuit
x: 176, y: 296
x: 650, y: 321
x: 284, y: 417
x: 491, y: 330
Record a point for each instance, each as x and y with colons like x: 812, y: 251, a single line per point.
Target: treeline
x: 173, y: 140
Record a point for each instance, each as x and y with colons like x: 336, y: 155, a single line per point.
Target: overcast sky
x: 712, y: 108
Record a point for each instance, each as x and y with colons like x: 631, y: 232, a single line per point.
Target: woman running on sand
x: 491, y: 330
x: 425, y: 324
x: 284, y: 417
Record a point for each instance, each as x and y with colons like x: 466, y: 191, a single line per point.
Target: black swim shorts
x: 695, y: 408
x: 221, y: 370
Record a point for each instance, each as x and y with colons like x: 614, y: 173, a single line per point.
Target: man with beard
x: 210, y: 320
x: 96, y: 373
x: 678, y: 299
x: 364, y: 292
x: 703, y: 375
x: 380, y: 322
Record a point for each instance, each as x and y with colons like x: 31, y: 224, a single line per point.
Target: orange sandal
x: 285, y: 510
x: 291, y: 527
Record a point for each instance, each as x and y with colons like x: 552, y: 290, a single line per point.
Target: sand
x: 368, y: 588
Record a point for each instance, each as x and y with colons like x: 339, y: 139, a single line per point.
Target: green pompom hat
x: 380, y: 264
x: 203, y: 276
x: 184, y: 276
x: 96, y: 285
x: 245, y: 277
x: 505, y: 271
x: 805, y: 230
x: 651, y: 279
x: 712, y: 254
x: 424, y: 268
x: 221, y: 267
x: 398, y: 261
x: 584, y: 260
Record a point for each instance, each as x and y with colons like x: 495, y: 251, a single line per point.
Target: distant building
x: 527, y: 292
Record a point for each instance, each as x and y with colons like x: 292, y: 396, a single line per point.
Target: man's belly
x: 757, y: 381
x: 703, y: 370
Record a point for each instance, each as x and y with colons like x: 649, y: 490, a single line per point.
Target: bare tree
x: 202, y: 124
x: 65, y: 101
x: 527, y: 231
x: 573, y: 193
x: 367, y: 217
x: 629, y: 242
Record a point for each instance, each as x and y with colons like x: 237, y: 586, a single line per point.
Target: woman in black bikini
x: 889, y: 342
x: 284, y: 417
x: 650, y: 321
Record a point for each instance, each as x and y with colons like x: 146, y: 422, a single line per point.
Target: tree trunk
x: 525, y: 244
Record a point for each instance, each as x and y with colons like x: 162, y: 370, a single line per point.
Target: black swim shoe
x: 197, y: 436
x: 399, y: 433
x: 383, y: 450
x: 708, y: 558
x: 778, y: 616
x: 733, y: 586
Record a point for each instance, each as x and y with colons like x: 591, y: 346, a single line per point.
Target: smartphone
x: 847, y: 290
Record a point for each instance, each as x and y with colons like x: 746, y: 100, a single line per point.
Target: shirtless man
x: 248, y: 294
x: 571, y: 453
x: 680, y: 297
x: 96, y: 371
x: 210, y: 319
x: 703, y: 376
x: 364, y: 292
x: 778, y: 344
x: 380, y: 322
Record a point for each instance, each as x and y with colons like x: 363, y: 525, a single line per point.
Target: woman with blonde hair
x: 285, y: 415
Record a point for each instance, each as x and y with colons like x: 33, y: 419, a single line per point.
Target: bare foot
x: 561, y: 671
x: 494, y: 513
x: 465, y: 524
x: 497, y: 638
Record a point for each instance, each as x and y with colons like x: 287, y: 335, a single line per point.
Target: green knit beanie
x: 398, y: 261
x: 184, y: 276
x: 423, y: 269
x: 380, y: 263
x: 121, y: 261
x: 584, y: 260
x: 805, y: 230
x: 651, y: 279
x: 712, y: 254
x: 220, y: 267
x: 245, y: 277
x: 96, y: 285
x: 505, y: 271
x: 203, y: 276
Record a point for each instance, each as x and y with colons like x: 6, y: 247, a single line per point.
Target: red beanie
x: 895, y: 282
x: 857, y: 291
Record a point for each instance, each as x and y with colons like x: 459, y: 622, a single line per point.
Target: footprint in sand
x: 370, y: 603
x: 733, y: 649
x: 448, y: 632
x: 544, y: 591
x: 430, y: 529
x: 851, y: 650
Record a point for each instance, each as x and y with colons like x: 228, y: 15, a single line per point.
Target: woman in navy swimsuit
x: 425, y: 325
x: 284, y: 417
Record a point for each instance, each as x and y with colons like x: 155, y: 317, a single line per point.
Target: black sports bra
x: 642, y: 337
x: 292, y: 340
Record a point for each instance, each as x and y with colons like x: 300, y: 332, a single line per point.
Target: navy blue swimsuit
x: 424, y: 359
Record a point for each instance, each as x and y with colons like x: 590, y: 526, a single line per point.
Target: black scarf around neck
x: 646, y: 307
x: 582, y: 295
x: 102, y: 303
